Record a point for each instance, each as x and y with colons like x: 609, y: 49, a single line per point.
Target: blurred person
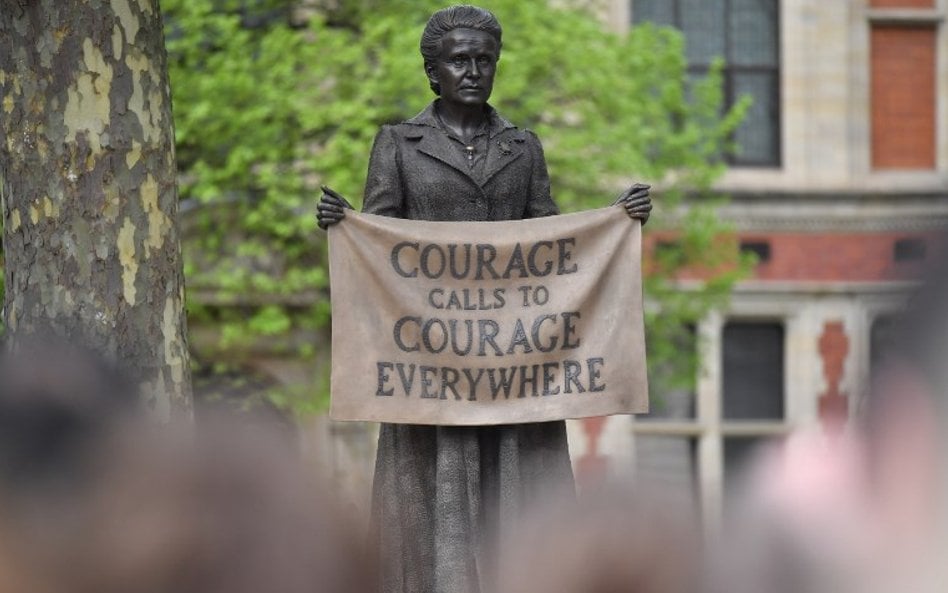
x: 800, y: 520
x: 617, y: 540
x: 906, y: 433
x: 862, y: 509
x: 57, y: 403
x: 223, y: 506
x: 96, y: 498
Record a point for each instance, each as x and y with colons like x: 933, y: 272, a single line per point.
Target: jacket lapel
x: 504, y: 149
x: 438, y: 146
x: 505, y: 145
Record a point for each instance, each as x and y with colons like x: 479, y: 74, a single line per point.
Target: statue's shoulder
x: 503, y: 127
x: 529, y: 135
x: 407, y: 129
x: 529, y: 140
x: 415, y: 127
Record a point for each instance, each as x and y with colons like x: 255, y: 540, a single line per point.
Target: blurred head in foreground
x: 57, y: 404
x: 95, y: 498
x: 906, y: 428
x: 220, y: 507
x: 861, y: 511
x: 615, y: 541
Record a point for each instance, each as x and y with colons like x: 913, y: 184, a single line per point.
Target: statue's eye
x: 458, y: 61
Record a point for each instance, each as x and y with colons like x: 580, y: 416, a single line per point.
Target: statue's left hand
x: 636, y: 201
x: 331, y: 209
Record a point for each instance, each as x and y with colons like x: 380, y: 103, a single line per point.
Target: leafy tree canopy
x: 273, y: 100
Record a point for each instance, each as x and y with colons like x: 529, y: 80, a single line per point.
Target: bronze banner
x: 463, y: 323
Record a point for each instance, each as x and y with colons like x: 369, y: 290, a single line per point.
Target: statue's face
x: 465, y: 69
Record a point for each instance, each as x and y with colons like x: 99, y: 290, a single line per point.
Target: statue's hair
x: 462, y: 16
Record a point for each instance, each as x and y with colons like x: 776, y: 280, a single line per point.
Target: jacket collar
x: 434, y: 142
x: 496, y: 123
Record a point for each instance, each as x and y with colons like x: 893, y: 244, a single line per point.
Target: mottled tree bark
x: 87, y: 182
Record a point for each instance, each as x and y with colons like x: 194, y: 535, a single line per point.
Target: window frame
x: 728, y: 75
x: 708, y: 427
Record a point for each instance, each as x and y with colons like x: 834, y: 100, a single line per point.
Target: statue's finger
x: 327, y: 221
x: 329, y: 207
x: 334, y: 197
x: 636, y: 194
x: 330, y: 213
x: 330, y: 192
x: 332, y: 201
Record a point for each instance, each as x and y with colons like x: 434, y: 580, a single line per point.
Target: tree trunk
x: 87, y: 183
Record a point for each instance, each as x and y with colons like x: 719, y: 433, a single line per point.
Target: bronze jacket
x: 417, y: 172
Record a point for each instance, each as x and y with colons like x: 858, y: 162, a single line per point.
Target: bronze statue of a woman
x: 441, y: 492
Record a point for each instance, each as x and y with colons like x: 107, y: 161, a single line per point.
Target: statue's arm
x: 539, y: 202
x: 383, y: 188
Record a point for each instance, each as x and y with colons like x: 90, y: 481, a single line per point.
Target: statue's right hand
x: 331, y: 209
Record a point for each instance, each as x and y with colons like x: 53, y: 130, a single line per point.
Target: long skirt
x: 442, y: 495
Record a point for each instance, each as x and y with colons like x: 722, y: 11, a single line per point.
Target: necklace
x: 469, y: 148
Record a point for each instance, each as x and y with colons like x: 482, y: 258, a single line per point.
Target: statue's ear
x: 431, y: 70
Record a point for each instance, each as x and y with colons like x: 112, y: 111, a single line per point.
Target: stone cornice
x: 789, y: 212
x: 905, y: 16
x: 770, y: 288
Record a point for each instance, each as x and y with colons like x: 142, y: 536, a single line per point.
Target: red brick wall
x: 830, y: 257
x: 835, y: 257
x: 903, y: 97
x: 902, y: 4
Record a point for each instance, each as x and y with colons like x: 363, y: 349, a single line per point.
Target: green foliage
x: 267, y: 108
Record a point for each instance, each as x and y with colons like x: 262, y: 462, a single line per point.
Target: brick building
x: 840, y: 188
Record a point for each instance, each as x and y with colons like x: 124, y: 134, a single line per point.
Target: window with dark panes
x: 667, y: 437
x: 738, y: 451
x: 739, y: 456
x: 753, y: 371
x: 698, y: 444
x: 671, y: 462
x: 745, y: 34
x: 882, y: 339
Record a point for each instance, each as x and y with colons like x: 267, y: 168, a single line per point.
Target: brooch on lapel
x: 504, y: 148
